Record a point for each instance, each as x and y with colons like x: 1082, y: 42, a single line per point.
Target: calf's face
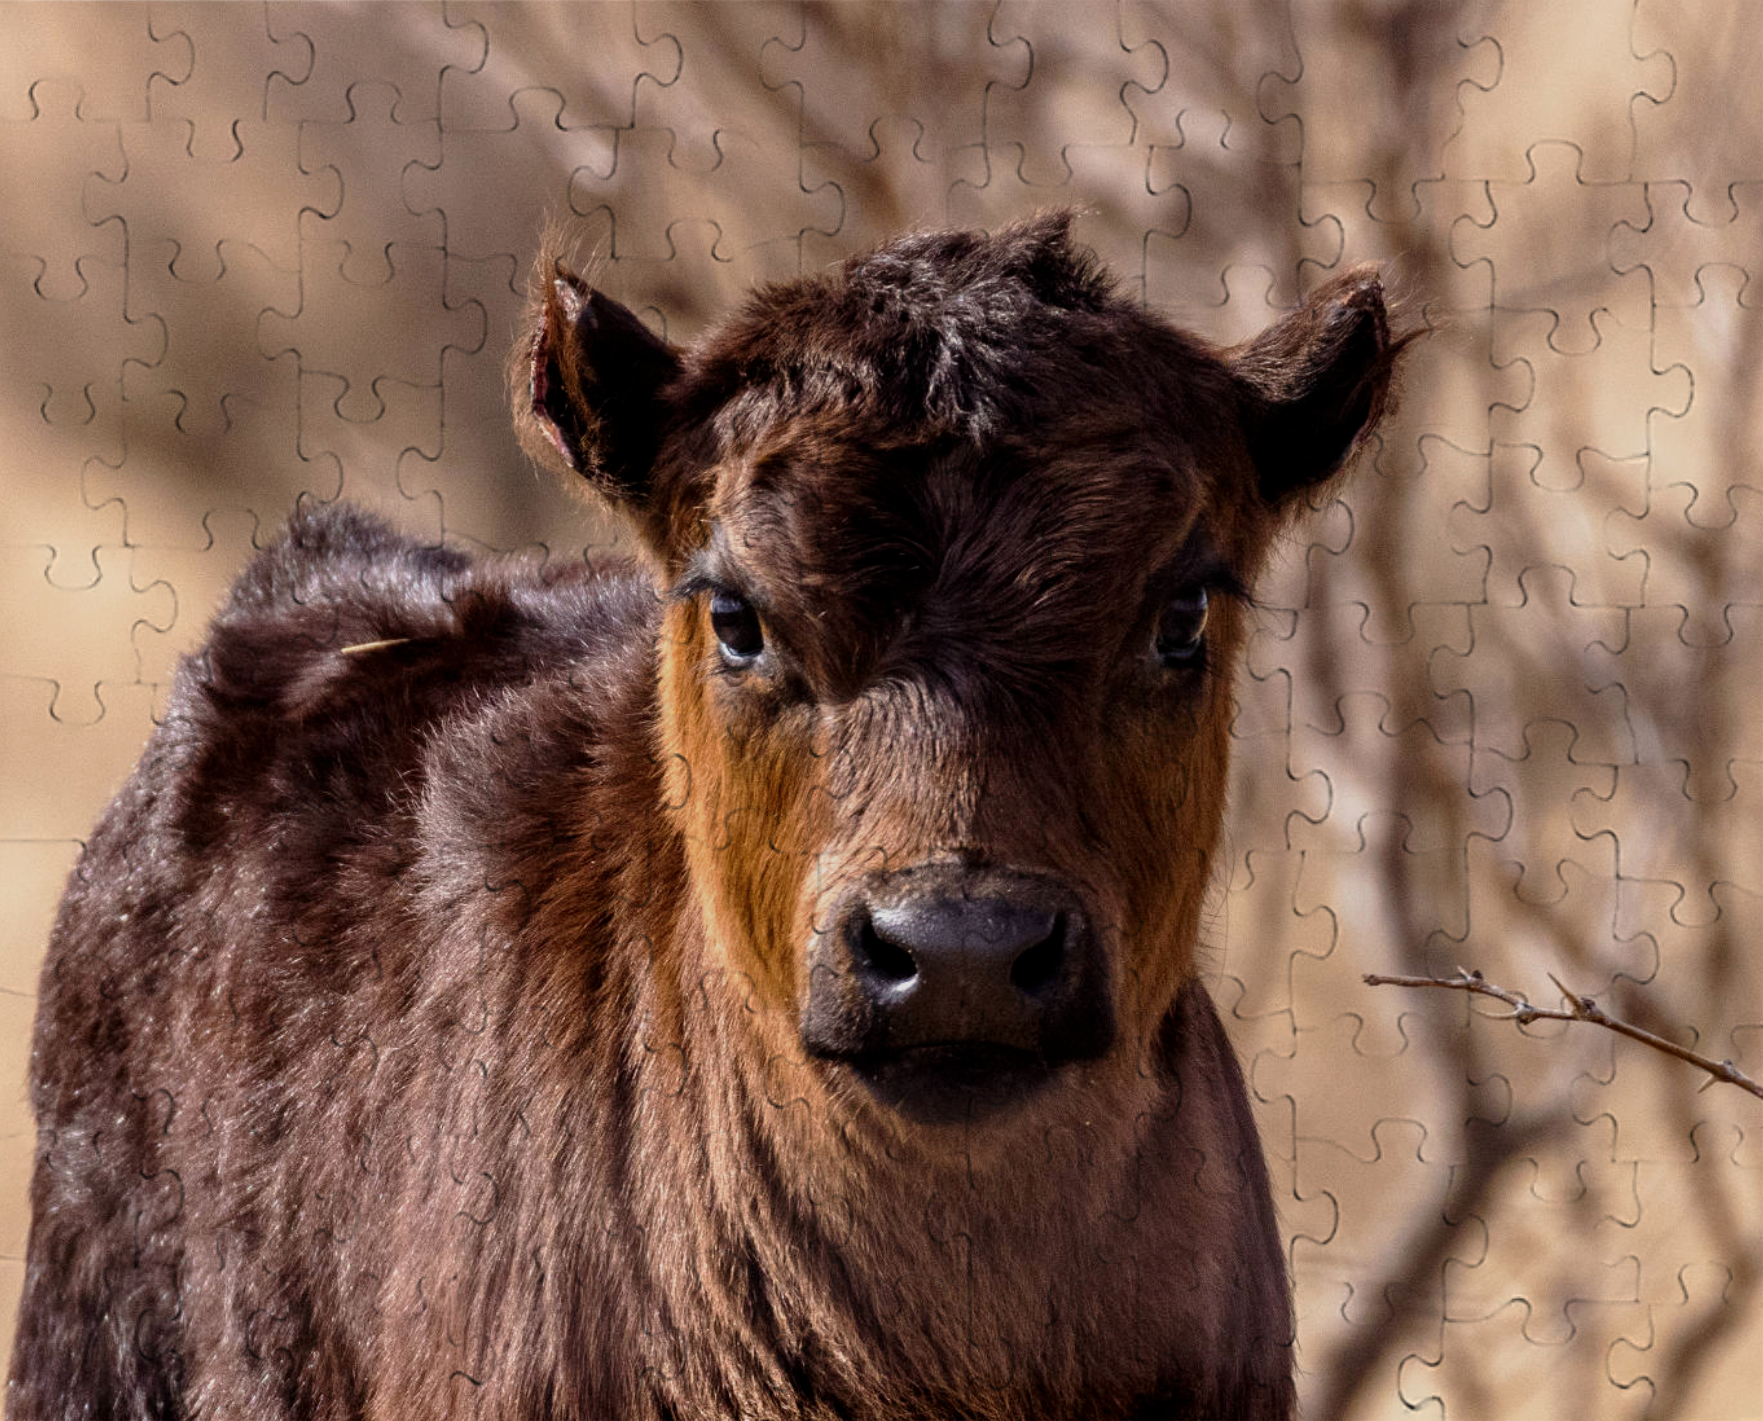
x: 955, y: 547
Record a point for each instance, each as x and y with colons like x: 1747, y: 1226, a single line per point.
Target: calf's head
x: 954, y: 544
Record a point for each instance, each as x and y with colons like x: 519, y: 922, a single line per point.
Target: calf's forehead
x: 1082, y: 501
x: 820, y: 498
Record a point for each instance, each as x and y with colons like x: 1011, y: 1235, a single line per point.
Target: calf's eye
x: 737, y: 628
x: 1181, y: 630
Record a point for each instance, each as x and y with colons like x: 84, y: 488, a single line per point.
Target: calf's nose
x: 970, y: 947
x: 954, y: 969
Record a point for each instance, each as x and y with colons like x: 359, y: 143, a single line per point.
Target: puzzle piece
x: 1354, y: 1114
x: 693, y: 100
x: 1060, y: 75
x: 63, y: 413
x: 902, y: 177
x: 107, y: 51
x: 212, y: 358
x: 436, y: 465
x: 370, y: 155
x: 1594, y: 114
x: 1206, y: 62
x: 1661, y: 829
x: 1197, y: 251
x: 529, y: 169
x: 1354, y: 1287
x: 1538, y: 839
x: 258, y: 441
x: 70, y: 390
x: 1638, y: 1359
x: 1413, y: 126
x: 1353, y: 737
x: 215, y: 87
x: 1550, y: 495
x: 1710, y: 159
x: 893, y: 139
x: 49, y: 156
x: 1675, y: 250
x: 110, y: 609
x: 1539, y: 1377
x: 1561, y: 223
x: 1723, y: 732
x: 1699, y: 962
x: 334, y: 313
x: 196, y: 578
x: 1698, y: 450
x: 413, y: 47
x: 381, y: 461
x: 538, y: 47
x: 1549, y: 629
x: 47, y: 728
x: 1261, y: 907
x: 54, y: 507
x: 162, y: 158
x: 1451, y: 285
x: 950, y: 116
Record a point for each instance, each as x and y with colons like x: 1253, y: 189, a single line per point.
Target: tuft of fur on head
x: 942, y: 330
x: 960, y: 313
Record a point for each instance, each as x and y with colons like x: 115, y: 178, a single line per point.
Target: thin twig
x: 1578, y: 1008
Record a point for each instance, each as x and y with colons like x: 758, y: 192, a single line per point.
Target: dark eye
x: 737, y: 627
x: 1181, y: 630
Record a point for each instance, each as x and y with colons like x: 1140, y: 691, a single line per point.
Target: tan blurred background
x: 1501, y: 708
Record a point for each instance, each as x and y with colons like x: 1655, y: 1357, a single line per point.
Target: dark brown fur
x: 423, y: 1030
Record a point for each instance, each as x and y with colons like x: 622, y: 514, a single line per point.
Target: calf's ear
x: 1316, y: 383
x: 586, y: 386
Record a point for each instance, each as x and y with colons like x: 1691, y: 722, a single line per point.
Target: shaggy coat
x: 518, y: 991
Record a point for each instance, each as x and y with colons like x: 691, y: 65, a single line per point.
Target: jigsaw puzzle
x: 1494, y: 712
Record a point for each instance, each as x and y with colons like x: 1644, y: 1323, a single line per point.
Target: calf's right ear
x: 1314, y: 385
x: 586, y: 386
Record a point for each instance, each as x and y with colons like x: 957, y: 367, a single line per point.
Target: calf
x: 756, y: 981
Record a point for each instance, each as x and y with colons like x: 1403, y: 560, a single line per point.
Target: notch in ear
x: 586, y: 385
x: 1315, y: 384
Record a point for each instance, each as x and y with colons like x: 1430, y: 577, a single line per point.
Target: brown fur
x: 424, y: 1029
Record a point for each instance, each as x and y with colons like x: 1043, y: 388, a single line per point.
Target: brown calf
x: 757, y: 984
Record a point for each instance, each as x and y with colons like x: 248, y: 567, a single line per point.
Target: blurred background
x: 1500, y: 707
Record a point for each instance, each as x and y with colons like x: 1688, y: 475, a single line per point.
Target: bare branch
x: 1578, y: 1008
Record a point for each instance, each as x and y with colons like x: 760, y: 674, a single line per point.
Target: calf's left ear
x: 1316, y: 383
x: 586, y: 386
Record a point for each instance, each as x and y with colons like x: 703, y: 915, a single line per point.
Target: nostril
x: 1038, y: 965
x: 886, y: 960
